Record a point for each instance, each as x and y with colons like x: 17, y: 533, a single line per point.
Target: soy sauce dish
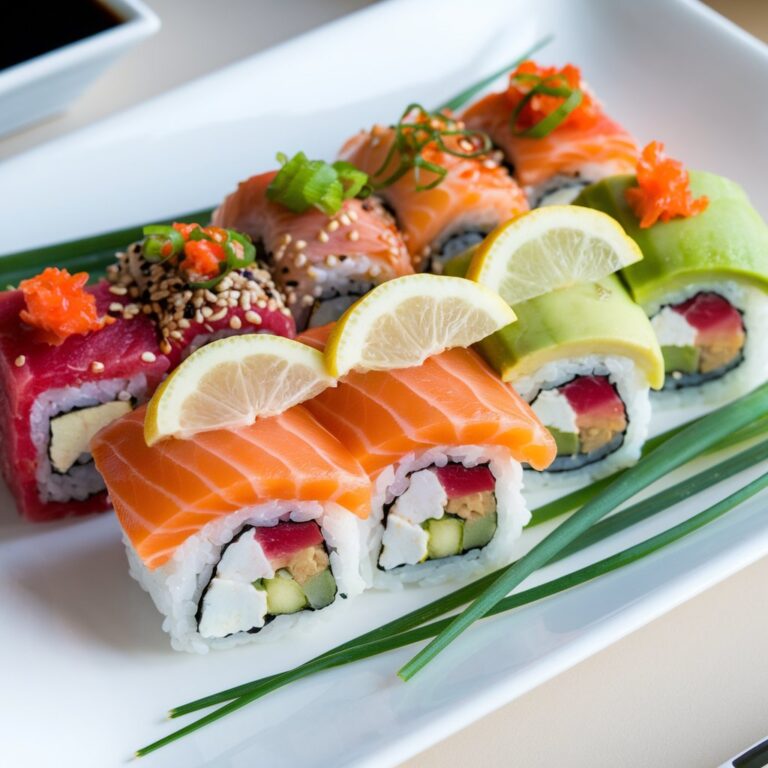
x: 74, y: 42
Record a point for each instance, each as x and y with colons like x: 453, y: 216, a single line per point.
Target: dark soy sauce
x: 39, y: 26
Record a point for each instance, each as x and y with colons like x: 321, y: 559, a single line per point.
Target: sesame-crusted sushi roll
x: 444, y: 444
x: 196, y: 291
x: 239, y: 535
x: 703, y: 280
x: 553, y: 132
x: 451, y: 197
x: 323, y: 261
x: 67, y: 368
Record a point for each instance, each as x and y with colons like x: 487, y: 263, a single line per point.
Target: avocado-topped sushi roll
x: 197, y: 284
x: 323, y: 261
x: 69, y: 364
x: 452, y: 199
x: 443, y: 444
x: 703, y: 278
x: 553, y: 132
x: 238, y: 534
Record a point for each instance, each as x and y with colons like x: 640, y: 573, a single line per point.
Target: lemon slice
x: 550, y: 248
x: 232, y: 382
x: 402, y: 322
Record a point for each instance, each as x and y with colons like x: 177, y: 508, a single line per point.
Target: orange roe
x: 542, y: 105
x: 58, y: 304
x: 202, y: 257
x: 663, y: 189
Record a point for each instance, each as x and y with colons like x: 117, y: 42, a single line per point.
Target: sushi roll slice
x: 444, y: 445
x: 585, y: 358
x: 189, y: 296
x: 237, y: 535
x: 451, y: 203
x: 703, y: 280
x: 553, y: 132
x: 322, y: 262
x: 67, y: 368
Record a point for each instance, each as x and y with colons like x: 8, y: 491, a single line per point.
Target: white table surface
x: 687, y: 690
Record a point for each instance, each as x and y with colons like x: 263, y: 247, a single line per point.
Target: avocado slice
x: 478, y: 531
x: 284, y: 594
x: 682, y: 359
x: 445, y: 537
x: 567, y: 442
x: 320, y: 589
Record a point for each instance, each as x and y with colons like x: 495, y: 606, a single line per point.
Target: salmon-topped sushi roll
x: 553, y: 132
x: 322, y: 261
x: 445, y: 186
x: 237, y: 534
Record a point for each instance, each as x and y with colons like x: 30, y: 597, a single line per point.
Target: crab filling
x: 586, y: 417
x: 445, y: 511
x: 71, y: 433
x: 701, y: 339
x: 266, y: 572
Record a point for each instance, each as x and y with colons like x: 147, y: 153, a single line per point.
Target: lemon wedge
x: 402, y: 322
x: 232, y: 382
x: 551, y: 248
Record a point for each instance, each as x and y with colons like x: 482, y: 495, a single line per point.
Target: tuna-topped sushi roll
x: 324, y: 253
x: 237, y: 534
x: 445, y: 186
x: 703, y: 278
x: 585, y: 358
x: 553, y: 132
x: 443, y: 444
x: 67, y: 368
x: 197, y: 284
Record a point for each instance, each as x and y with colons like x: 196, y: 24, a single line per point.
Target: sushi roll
x: 452, y: 199
x: 191, y: 293
x: 67, y: 368
x: 703, y: 280
x: 238, y: 535
x: 585, y: 358
x: 553, y: 132
x: 322, y: 262
x: 443, y: 444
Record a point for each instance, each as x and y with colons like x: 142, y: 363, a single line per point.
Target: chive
x: 684, y: 446
x: 460, y: 99
x: 620, y: 521
x: 581, y: 496
x: 569, y: 581
x: 572, y: 98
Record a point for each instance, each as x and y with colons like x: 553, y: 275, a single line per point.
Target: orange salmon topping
x: 663, y: 189
x: 529, y: 75
x: 58, y: 304
x: 201, y: 257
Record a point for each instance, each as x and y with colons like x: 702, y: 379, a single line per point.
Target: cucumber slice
x: 445, y: 537
x: 680, y: 359
x: 320, y: 589
x: 479, y: 531
x: 567, y: 442
x: 284, y: 594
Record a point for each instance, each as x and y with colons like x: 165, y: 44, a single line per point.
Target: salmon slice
x: 476, y: 194
x: 164, y: 494
x: 360, y: 242
x: 451, y: 399
x: 594, y: 151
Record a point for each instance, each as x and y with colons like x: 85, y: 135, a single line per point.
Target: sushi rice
x: 177, y: 587
x: 632, y: 387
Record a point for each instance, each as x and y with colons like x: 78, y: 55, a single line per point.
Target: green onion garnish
x: 552, y: 85
x: 302, y: 183
x: 680, y: 448
x: 414, y: 132
x: 386, y: 639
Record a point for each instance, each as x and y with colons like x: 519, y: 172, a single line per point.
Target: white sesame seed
x: 219, y: 315
x: 115, y: 307
x: 148, y: 357
x: 300, y: 245
x: 317, y: 291
x: 253, y: 318
x: 322, y: 236
x: 97, y: 367
x: 20, y: 360
x: 333, y: 225
x: 375, y: 270
x: 331, y: 260
x: 118, y: 290
x: 301, y: 260
x: 207, y: 311
x: 235, y: 323
x: 344, y: 219
x: 352, y: 215
x: 354, y: 236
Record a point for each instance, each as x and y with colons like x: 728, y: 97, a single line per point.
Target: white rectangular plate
x: 89, y: 668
